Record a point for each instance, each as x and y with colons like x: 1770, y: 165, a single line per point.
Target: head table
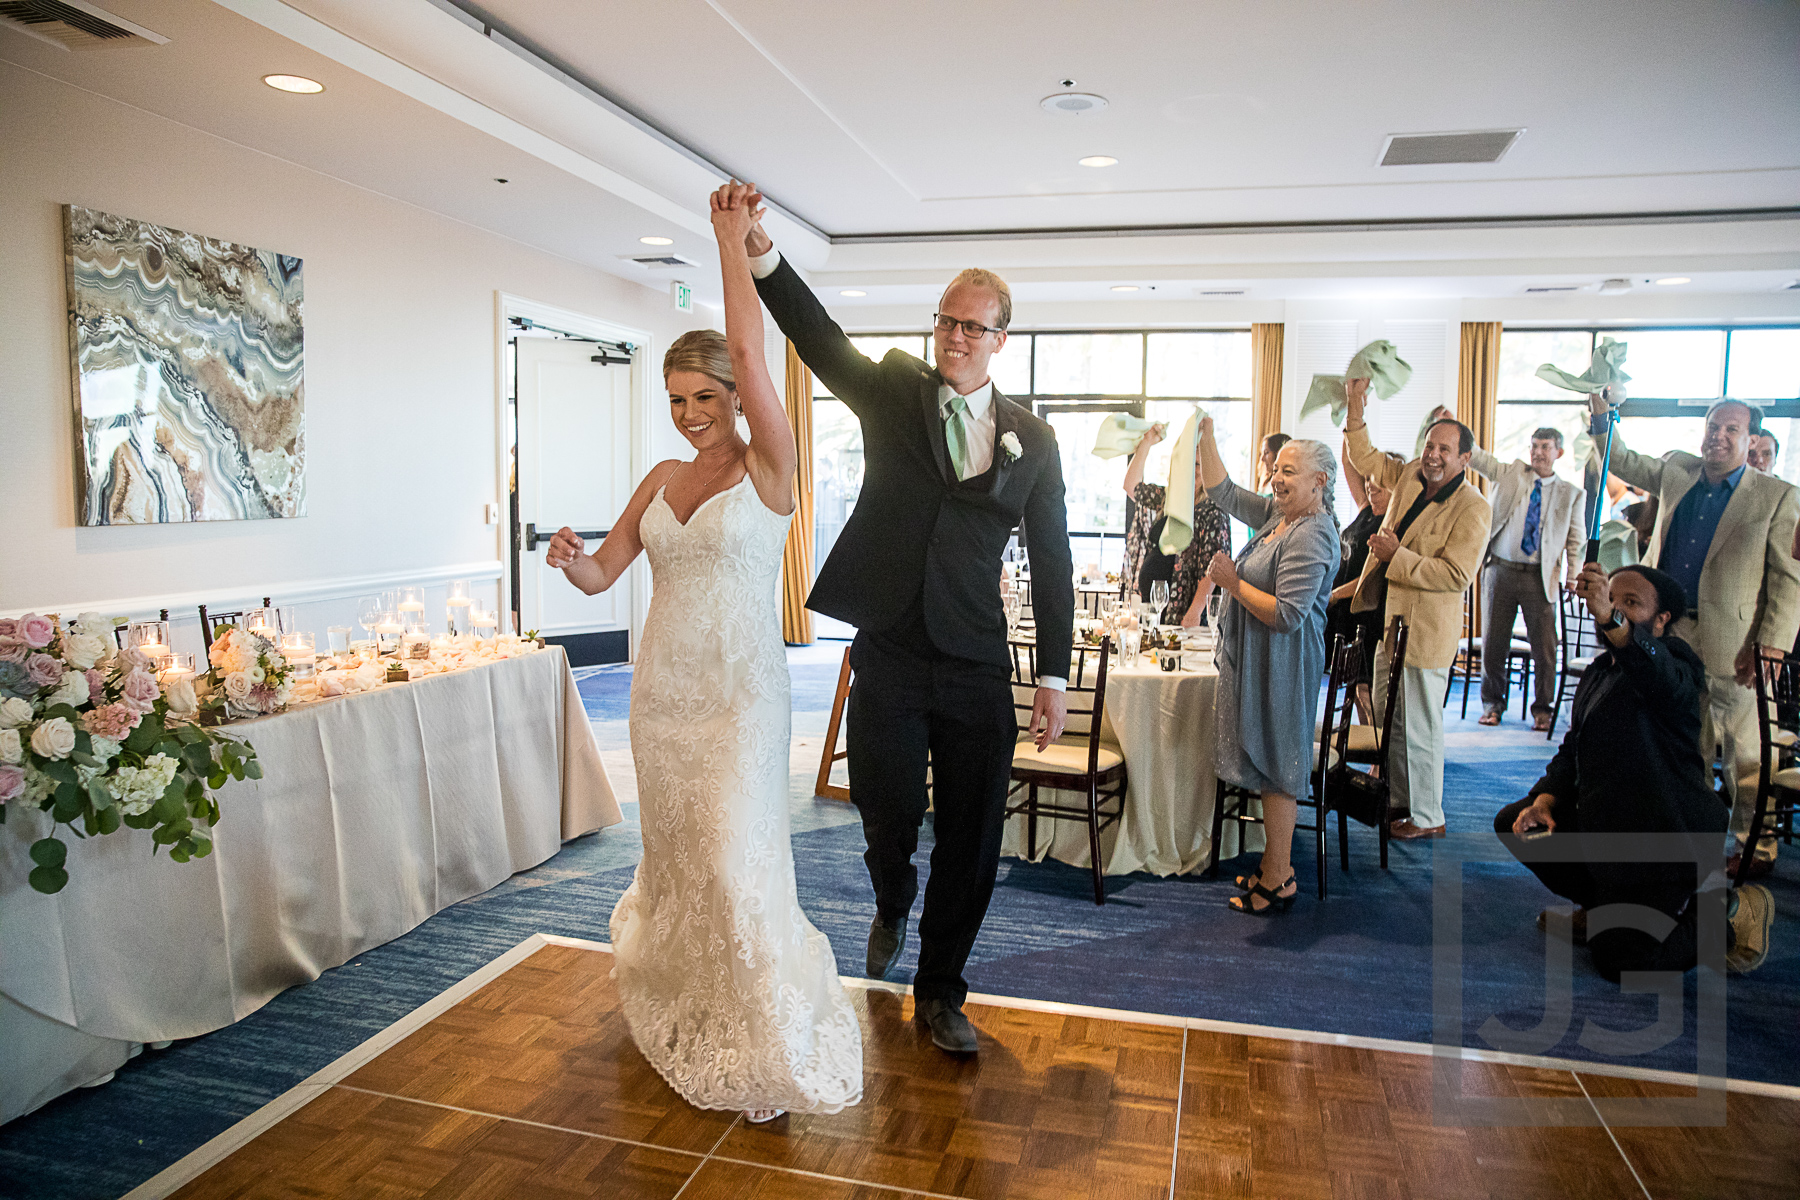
x: 375, y: 811
x: 1161, y: 721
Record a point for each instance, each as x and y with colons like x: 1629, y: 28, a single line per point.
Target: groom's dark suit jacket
x: 917, y: 533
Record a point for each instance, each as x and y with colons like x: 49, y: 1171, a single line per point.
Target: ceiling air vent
x: 1565, y: 288
x: 662, y: 260
x: 74, y: 24
x: 1424, y: 149
x: 1223, y: 292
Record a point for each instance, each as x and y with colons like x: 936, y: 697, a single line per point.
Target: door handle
x: 533, y: 537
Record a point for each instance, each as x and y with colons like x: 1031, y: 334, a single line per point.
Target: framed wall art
x: 187, y: 359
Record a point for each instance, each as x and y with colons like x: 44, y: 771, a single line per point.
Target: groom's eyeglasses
x: 971, y: 329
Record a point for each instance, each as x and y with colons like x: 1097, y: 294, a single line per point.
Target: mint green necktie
x: 956, y: 433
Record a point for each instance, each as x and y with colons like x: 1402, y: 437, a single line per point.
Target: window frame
x: 1665, y: 406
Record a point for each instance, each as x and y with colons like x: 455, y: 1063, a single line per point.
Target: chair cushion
x: 1787, y: 777
x: 1065, y: 757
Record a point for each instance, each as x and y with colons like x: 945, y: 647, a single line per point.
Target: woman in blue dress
x: 1271, y: 647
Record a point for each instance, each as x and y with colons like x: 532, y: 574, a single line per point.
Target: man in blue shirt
x: 1726, y: 535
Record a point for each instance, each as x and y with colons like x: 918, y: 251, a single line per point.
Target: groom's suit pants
x: 910, y: 704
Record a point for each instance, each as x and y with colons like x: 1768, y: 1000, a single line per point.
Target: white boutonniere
x: 1009, y: 442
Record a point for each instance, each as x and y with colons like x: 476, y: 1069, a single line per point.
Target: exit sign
x: 683, y: 295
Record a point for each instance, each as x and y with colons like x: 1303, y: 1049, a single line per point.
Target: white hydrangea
x: 104, y: 749
x: 140, y: 787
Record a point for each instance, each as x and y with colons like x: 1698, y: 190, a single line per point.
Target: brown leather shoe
x: 1490, y: 717
x: 1541, y: 723
x: 1406, y: 831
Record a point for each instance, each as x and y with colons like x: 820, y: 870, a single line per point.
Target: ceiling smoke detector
x: 1074, y: 104
x: 1430, y: 149
x: 1614, y: 287
x: 74, y: 24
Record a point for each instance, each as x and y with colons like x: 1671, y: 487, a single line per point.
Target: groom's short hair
x: 982, y: 278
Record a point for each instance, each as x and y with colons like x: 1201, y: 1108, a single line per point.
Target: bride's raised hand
x: 736, y: 210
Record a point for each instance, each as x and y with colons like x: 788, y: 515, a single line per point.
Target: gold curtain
x: 1477, y: 395
x: 797, y: 558
x: 1265, y: 386
x: 1478, y: 380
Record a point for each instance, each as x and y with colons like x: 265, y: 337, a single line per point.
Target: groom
x: 952, y: 467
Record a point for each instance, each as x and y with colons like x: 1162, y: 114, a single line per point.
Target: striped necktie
x: 1534, y: 516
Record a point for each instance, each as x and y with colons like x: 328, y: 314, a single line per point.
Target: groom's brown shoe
x: 885, y: 944
x: 950, y: 1030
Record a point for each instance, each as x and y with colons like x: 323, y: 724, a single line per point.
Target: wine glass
x: 1159, y: 598
x: 368, y: 615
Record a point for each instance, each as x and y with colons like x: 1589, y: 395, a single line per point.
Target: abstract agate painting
x: 187, y: 364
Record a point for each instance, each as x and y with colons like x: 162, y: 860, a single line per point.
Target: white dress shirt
x: 1513, y: 536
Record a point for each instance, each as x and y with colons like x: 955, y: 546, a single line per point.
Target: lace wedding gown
x: 727, y: 988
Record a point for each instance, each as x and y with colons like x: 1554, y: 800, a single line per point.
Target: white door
x: 575, y: 470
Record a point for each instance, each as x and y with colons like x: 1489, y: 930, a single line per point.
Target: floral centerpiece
x: 250, y: 672
x: 90, y: 736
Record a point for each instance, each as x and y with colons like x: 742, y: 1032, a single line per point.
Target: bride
x: 729, y: 991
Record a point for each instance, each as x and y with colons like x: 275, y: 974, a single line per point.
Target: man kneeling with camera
x: 1631, y: 763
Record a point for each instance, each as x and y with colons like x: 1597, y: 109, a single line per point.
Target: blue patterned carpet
x: 1359, y: 963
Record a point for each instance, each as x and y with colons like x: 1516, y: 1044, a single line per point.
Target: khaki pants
x: 1416, y: 746
x: 1728, y: 726
x: 1507, y: 589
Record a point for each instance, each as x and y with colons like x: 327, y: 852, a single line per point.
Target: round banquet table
x: 1161, y: 721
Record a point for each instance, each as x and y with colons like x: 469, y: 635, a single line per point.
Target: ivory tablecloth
x: 1163, y: 723
x: 374, y: 812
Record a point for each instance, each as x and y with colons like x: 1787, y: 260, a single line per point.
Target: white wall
x: 401, y: 375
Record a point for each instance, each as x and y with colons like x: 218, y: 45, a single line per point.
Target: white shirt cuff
x: 763, y: 265
x: 1053, y: 683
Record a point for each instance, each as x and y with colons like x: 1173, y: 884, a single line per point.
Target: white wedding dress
x: 729, y: 991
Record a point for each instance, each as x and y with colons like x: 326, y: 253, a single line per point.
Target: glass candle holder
x: 387, y: 633
x: 150, y: 638
x: 456, y: 610
x: 415, y: 642
x: 411, y: 605
x: 264, y: 623
x: 175, y: 668
x: 485, y: 621
x: 301, y: 651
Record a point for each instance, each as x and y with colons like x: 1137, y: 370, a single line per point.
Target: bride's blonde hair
x: 702, y: 350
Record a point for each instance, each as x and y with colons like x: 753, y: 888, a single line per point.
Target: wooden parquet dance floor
x: 531, y: 1087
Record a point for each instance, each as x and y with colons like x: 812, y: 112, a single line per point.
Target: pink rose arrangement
x: 88, y: 736
x: 251, y: 673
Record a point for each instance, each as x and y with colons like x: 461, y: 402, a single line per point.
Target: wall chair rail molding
x: 302, y: 591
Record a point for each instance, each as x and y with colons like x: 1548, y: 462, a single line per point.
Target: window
x: 1074, y: 381
x: 1675, y: 375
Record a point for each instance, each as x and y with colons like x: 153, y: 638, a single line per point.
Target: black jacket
x: 916, y: 533
x: 1631, y: 761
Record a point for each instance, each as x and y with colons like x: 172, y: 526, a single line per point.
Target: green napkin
x: 1120, y: 434
x: 1607, y: 367
x: 1379, y: 362
x: 1618, y: 545
x: 1178, y: 502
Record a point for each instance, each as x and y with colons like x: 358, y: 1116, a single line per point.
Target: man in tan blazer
x: 1726, y: 534
x: 1536, y: 522
x: 1420, y: 563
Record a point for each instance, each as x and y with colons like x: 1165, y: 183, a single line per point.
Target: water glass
x: 337, y: 640
x: 1130, y: 642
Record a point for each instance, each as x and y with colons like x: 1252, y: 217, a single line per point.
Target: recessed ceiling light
x: 294, y: 83
x: 1125, y: 287
x: 852, y: 292
x: 657, y: 241
x: 1098, y: 160
x: 1674, y: 279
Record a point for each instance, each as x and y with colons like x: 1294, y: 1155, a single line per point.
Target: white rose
x: 238, y: 685
x: 182, y: 700
x: 1009, y: 441
x: 54, y: 738
x: 14, y: 712
x: 83, y: 650
x: 73, y: 690
x: 11, y: 749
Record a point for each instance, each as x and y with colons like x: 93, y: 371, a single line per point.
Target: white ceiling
x: 1219, y: 114
x: 924, y: 116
